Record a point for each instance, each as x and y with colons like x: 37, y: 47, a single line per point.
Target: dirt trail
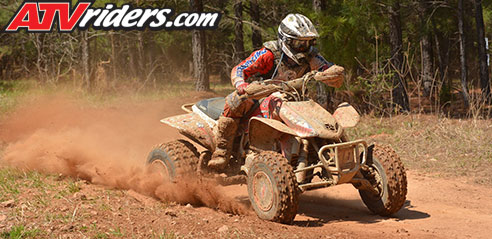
x: 435, y: 208
x: 106, y: 145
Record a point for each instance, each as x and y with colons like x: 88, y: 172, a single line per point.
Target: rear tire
x: 387, y: 174
x: 272, y: 188
x: 173, y: 159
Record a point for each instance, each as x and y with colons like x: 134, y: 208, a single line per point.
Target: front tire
x: 272, y: 188
x: 173, y: 159
x: 387, y: 175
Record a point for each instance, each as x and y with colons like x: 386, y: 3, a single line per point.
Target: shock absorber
x: 302, y: 161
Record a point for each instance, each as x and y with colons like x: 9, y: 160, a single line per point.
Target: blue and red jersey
x: 262, y: 62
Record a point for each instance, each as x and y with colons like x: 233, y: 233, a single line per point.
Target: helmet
x: 296, y: 35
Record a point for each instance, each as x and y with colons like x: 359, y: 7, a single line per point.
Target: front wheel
x: 272, y: 188
x: 387, y: 175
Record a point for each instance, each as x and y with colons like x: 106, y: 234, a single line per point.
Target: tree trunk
x: 140, y: 56
x: 318, y: 5
x: 132, y: 56
x: 426, y: 48
x: 85, y: 59
x: 114, y: 64
x: 238, y: 30
x: 25, y: 68
x: 199, y: 58
x: 482, y: 52
x: 255, y: 28
x: 39, y: 50
x: 427, y: 78
x: 464, y: 70
x: 322, y: 93
x: 399, y: 93
x: 442, y: 51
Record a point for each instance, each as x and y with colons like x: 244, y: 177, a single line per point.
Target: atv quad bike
x: 279, y: 159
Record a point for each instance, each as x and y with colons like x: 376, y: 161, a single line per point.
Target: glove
x: 257, y: 91
x: 241, y: 88
x: 332, y: 76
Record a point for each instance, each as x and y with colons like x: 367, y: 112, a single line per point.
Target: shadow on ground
x: 321, y: 210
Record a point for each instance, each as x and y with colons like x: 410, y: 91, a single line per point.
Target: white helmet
x: 296, y: 34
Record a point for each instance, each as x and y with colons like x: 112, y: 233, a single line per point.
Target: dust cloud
x: 105, y: 145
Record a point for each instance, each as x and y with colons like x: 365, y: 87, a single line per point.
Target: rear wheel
x: 272, y: 188
x: 173, y: 159
x: 387, y: 175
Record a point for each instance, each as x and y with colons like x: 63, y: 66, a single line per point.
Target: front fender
x: 309, y: 119
x: 193, y: 127
x: 264, y: 133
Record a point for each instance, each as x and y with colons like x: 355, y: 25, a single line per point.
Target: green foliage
x: 116, y: 232
x: 73, y: 186
x: 167, y: 235
x: 9, y: 186
x: 7, y: 10
x: 5, y: 50
x: 354, y: 34
x: 10, y: 92
x: 348, y: 30
x: 18, y: 232
x: 445, y: 94
x: 6, y: 85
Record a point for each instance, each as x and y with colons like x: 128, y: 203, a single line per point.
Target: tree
x: 255, y: 27
x: 442, y: 51
x: 85, y: 59
x: 482, y: 54
x: 464, y: 70
x: 426, y: 47
x: 322, y: 93
x: 421, y: 37
x: 199, y: 57
x: 238, y: 30
x: 399, y: 93
x: 318, y: 5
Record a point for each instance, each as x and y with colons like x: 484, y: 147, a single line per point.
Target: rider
x: 289, y: 57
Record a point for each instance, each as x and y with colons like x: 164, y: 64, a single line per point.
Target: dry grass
x: 437, y: 146
x: 9, y: 92
x: 432, y: 144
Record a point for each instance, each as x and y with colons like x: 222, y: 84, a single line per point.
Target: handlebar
x: 297, y: 83
x: 295, y: 88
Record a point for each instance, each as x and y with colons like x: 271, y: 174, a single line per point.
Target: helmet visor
x: 301, y: 45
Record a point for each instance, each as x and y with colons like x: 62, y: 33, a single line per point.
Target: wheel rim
x: 159, y: 167
x: 378, y: 181
x: 263, y: 191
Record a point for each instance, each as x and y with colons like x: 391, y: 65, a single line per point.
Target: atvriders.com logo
x: 41, y: 16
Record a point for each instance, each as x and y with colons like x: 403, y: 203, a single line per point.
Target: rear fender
x: 193, y: 127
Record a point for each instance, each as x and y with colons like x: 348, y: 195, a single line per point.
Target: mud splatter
x: 103, y: 145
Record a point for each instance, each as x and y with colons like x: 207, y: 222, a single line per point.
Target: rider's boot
x: 225, y: 131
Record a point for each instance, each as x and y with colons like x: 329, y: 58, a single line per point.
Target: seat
x: 212, y: 107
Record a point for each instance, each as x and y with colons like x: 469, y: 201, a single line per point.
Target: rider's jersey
x: 264, y: 61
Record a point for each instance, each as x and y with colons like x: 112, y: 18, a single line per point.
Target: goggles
x: 301, y: 45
